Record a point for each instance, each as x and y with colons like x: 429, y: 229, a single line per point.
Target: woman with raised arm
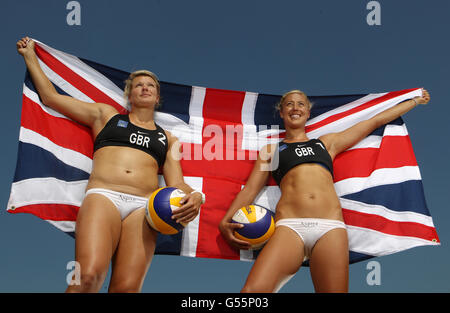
x: 309, y: 220
x: 128, y: 151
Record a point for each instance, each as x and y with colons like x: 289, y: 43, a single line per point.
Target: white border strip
x: 65, y: 226
x: 371, y: 242
x: 46, y: 190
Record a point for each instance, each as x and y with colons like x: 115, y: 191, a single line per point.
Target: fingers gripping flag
x: 221, y: 131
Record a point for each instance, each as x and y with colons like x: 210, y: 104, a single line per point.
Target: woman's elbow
x: 50, y: 98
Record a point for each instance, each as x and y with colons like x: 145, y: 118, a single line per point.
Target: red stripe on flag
x: 47, y: 211
x: 394, y: 152
x: 354, y: 110
x: 219, y: 195
x: 227, y: 170
x: 384, y: 225
x: 59, y: 130
x: 223, y: 106
x: 220, y: 108
x: 76, y: 80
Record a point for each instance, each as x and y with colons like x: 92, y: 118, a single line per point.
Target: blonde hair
x: 128, y: 82
x: 283, y: 97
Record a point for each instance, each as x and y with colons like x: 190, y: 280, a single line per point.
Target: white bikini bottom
x: 310, y: 230
x: 124, y: 202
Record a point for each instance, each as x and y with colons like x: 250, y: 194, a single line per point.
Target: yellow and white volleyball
x: 258, y: 224
x: 159, y: 210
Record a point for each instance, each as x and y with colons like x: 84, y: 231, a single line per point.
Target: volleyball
x: 258, y: 225
x: 159, y: 209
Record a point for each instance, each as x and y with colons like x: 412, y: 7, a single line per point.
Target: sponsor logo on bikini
x: 127, y: 198
x: 309, y: 224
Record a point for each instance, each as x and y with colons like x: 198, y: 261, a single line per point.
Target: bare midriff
x: 307, y: 191
x: 124, y: 169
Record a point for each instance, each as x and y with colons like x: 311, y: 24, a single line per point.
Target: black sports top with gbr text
x: 119, y: 131
x: 292, y: 154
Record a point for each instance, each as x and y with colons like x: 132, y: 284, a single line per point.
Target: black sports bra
x: 292, y: 154
x: 119, y: 131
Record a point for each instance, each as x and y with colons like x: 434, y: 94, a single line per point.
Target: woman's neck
x: 296, y: 135
x: 142, y: 116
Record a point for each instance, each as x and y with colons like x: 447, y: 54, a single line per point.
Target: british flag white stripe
x: 378, y: 177
x: 374, y: 141
x: 256, y: 140
x: 346, y: 107
x: 187, y: 133
x: 190, y: 233
x: 368, y: 142
x: 68, y: 156
x: 248, y: 108
x: 91, y: 75
x: 196, y: 104
x: 395, y: 130
x: 63, y: 84
x: 30, y: 94
x: 396, y: 216
x: 363, y: 100
x: 348, y: 121
x: 268, y: 197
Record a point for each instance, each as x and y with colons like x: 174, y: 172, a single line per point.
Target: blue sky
x: 323, y: 47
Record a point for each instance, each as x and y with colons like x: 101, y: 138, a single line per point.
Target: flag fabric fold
x: 378, y: 180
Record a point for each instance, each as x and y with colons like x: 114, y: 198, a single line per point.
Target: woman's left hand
x: 190, y: 208
x: 424, y: 99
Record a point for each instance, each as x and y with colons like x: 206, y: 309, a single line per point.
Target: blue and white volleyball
x: 159, y: 210
x: 258, y: 224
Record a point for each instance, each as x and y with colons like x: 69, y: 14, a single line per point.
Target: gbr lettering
x: 304, y: 151
x: 139, y: 140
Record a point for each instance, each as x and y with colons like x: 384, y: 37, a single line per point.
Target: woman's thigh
x: 134, y: 253
x: 329, y: 262
x: 97, y: 234
x: 280, y: 258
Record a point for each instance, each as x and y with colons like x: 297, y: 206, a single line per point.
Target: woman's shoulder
x: 106, y: 111
x: 270, y: 147
x: 327, y: 139
x: 267, y: 151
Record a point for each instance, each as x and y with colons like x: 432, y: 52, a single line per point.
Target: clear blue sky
x: 323, y: 47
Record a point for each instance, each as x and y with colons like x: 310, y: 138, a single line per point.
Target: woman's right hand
x: 25, y: 46
x: 227, y: 229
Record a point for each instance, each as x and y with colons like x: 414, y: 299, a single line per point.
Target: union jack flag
x: 378, y: 180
